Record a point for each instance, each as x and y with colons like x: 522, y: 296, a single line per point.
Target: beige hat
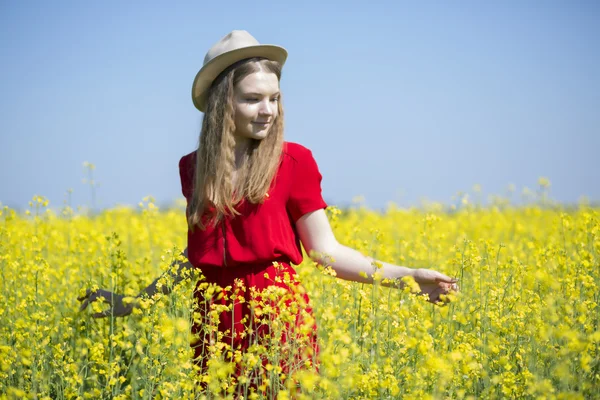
x: 233, y: 47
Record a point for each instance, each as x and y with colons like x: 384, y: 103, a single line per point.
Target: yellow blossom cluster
x: 525, y: 324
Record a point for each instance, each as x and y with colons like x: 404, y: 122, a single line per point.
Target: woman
x: 251, y: 200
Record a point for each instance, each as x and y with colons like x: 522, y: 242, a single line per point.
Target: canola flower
x: 525, y: 324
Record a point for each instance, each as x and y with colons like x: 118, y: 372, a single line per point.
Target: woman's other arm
x: 177, y: 272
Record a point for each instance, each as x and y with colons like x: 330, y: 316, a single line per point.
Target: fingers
x: 85, y: 300
x: 103, y: 314
x: 442, y: 288
x: 85, y: 296
x: 84, y: 305
x: 445, y: 278
x: 430, y: 276
x: 448, y: 287
x: 90, y: 296
x: 435, y: 297
x: 105, y: 295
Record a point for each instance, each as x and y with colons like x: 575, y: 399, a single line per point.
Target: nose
x: 267, y: 108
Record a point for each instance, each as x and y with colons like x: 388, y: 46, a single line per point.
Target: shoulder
x: 300, y: 161
x: 187, y: 161
x: 296, y: 152
x: 187, y: 165
x: 188, y: 157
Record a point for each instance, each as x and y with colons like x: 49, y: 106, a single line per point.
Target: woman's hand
x: 117, y: 307
x: 434, y: 284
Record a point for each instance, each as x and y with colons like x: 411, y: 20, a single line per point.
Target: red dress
x: 249, y: 253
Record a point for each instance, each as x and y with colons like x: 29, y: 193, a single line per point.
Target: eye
x: 251, y: 99
x: 275, y: 99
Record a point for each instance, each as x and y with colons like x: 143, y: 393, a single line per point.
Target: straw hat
x: 233, y: 47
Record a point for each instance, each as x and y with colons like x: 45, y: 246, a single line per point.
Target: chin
x: 252, y: 133
x: 259, y: 135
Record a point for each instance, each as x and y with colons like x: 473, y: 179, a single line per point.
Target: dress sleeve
x: 305, y: 193
x: 186, y: 175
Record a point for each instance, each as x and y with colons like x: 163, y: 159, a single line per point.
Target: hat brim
x: 207, y: 74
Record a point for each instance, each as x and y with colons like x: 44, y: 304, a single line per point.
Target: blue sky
x: 398, y: 101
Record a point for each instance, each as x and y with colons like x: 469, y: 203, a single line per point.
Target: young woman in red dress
x: 252, y: 200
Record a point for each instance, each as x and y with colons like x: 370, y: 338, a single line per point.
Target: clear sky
x: 398, y: 101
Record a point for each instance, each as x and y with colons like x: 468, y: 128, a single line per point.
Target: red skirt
x: 256, y: 319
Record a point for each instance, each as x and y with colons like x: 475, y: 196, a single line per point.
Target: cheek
x: 240, y: 117
x: 243, y: 119
x: 244, y: 114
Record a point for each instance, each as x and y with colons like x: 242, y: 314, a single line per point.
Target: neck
x: 241, y: 146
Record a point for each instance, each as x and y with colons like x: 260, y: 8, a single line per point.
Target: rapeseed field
x: 524, y: 325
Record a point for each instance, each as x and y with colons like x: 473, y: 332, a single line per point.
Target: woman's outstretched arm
x: 320, y: 243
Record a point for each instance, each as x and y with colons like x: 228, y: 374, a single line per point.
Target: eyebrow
x: 260, y: 94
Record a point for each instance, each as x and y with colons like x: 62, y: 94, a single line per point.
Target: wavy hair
x: 215, y: 157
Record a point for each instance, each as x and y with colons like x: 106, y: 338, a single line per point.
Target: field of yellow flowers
x: 525, y: 324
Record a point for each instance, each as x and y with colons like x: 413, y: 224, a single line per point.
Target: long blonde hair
x: 215, y: 157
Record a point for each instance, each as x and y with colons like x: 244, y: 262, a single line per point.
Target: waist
x: 227, y: 274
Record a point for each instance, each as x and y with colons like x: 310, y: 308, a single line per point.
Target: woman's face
x: 255, y: 101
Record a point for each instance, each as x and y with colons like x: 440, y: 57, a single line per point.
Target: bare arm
x: 319, y: 241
